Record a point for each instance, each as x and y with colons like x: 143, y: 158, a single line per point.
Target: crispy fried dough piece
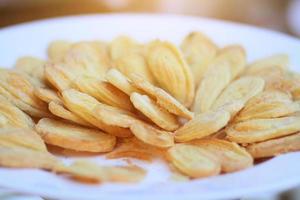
x: 30, y: 65
x: 257, y: 130
x: 104, y: 92
x: 228, y: 64
x: 268, y: 104
x: 88, y: 58
x: 31, y: 111
x: 151, y: 135
x: 198, y: 51
x: 84, y: 66
x: 128, y: 57
x: 122, y: 45
x: 83, y: 105
x: 193, y: 161
x: 12, y: 116
x: 21, y: 88
x: 278, y: 60
x: 59, y: 110
x: 74, y: 137
x: 279, y: 79
x: 164, y: 58
x: 234, y: 56
x: 69, y: 153
x: 134, y: 62
x: 233, y: 107
x: 120, y: 81
x: 102, y: 48
x: 134, y: 148
x: 63, y: 78
x: 231, y: 156
x: 211, y: 85
x: 83, y: 170
x: 33, y: 69
x: 59, y: 76
x: 242, y: 89
x: 202, y: 125
x: 21, y: 137
x: 47, y: 95
x: 114, y: 117
x: 161, y: 97
x: 156, y: 114
x: 58, y: 49
x: 166, y: 101
x: 275, y: 147
x: 24, y: 148
x: 26, y: 158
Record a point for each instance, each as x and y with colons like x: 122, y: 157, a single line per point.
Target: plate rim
x: 147, y: 15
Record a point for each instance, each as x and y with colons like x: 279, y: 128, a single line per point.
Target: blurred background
x: 279, y: 15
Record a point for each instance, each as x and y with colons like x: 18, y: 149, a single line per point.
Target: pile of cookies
x: 200, y: 108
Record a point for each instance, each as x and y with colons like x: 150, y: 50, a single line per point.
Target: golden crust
x: 134, y: 148
x: 257, y: 130
x: 47, y: 95
x: 164, y: 58
x: 134, y: 63
x: 279, y: 79
x: 33, y: 68
x: 193, y: 161
x: 28, y: 109
x: 12, y: 116
x: 83, y: 59
x: 21, y: 138
x: 26, y: 158
x: 275, y: 147
x: 234, y: 56
x: 104, y: 92
x: 123, y: 45
x: 83, y: 105
x: 58, y: 49
x: 74, y: 137
x: 268, y: 104
x: 198, y: 51
x: 87, y: 171
x: 59, y: 110
x: 213, y: 82
x: 156, y: 114
x: 233, y: 107
x: 151, y: 135
x: 114, y: 116
x: 24, y: 148
x: 241, y: 89
x: 231, y: 156
x: 58, y: 75
x: 278, y: 60
x: 88, y: 59
x: 202, y: 125
x: 21, y: 88
x: 161, y: 97
x: 120, y: 81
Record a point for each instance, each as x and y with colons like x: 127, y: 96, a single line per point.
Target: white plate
x: 274, y: 175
